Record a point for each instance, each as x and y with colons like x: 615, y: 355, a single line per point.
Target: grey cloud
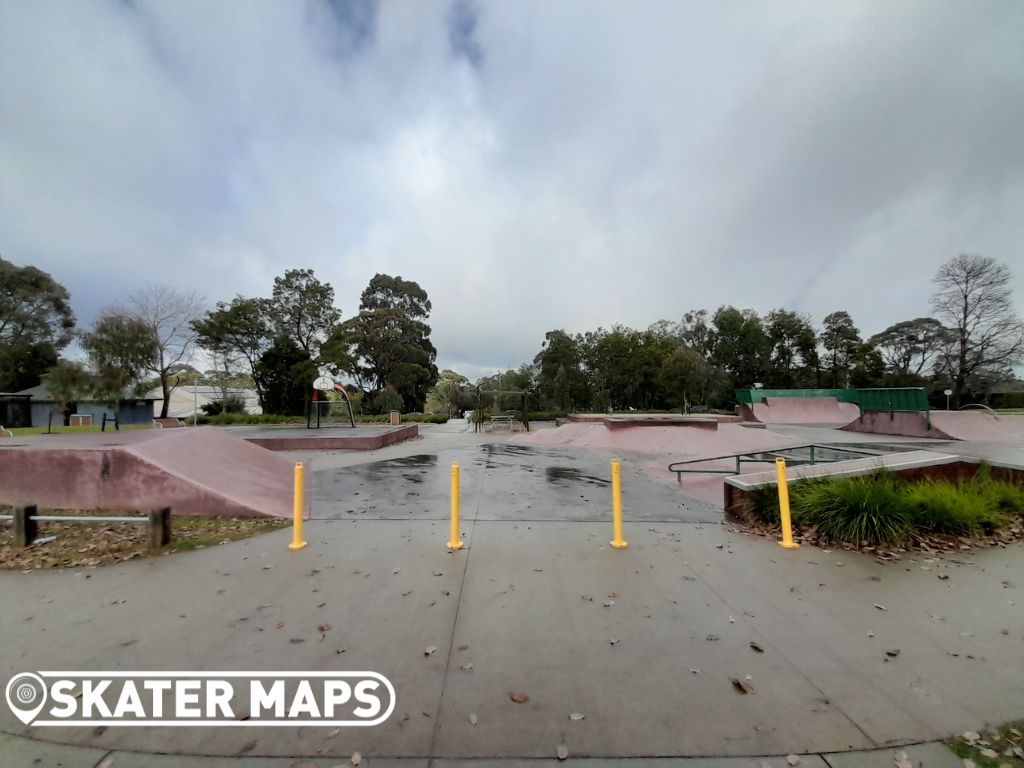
x: 533, y: 165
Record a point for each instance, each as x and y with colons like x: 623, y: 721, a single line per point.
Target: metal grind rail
x: 814, y: 455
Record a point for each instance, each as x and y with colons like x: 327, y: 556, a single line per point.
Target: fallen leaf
x: 296, y: 640
x: 472, y: 718
x: 613, y: 641
x: 576, y: 715
x: 562, y: 752
x: 519, y: 698
x: 893, y: 652
x: 609, y: 603
x: 793, y: 759
x: 332, y: 733
x: 756, y: 647
x: 466, y: 667
x: 430, y: 649
x: 942, y: 576
x: 741, y: 686
x: 711, y: 638
x: 356, y: 758
x: 439, y: 573
x: 324, y: 628
x: 396, y: 570
x: 280, y: 625
x: 990, y: 753
x: 881, y: 607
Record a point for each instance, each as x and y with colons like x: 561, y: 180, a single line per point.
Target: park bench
x: 168, y: 423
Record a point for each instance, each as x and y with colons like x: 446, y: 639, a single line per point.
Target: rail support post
x: 455, y: 542
x: 618, y: 542
x: 297, y: 541
x: 159, y: 527
x: 787, y: 522
x: 25, y: 525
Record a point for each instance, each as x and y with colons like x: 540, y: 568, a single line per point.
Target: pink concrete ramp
x: 972, y: 426
x: 667, y: 444
x: 196, y: 472
x: 675, y: 443
x: 812, y: 411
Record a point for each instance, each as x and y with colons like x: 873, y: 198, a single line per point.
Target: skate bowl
x: 942, y: 425
x: 809, y: 411
x: 197, y: 472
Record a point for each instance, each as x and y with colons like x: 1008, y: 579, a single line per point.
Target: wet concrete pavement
x: 501, y: 481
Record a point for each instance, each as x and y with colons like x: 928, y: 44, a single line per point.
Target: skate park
x: 857, y: 658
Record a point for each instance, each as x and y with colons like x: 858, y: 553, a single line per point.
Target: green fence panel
x: 897, y: 399
x: 751, y: 396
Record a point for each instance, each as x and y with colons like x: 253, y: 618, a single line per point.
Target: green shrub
x: 871, y: 509
x: 960, y: 508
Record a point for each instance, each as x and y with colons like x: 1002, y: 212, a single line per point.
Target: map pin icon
x: 26, y: 695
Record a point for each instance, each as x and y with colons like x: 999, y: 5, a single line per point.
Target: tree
x: 36, y: 322
x: 68, y: 383
x: 972, y: 297
x: 302, y: 308
x: 285, y: 374
x: 560, y: 378
x: 235, y: 332
x: 684, y: 377
x: 388, y: 343
x: 793, y: 355
x: 841, y: 340
x: 121, y: 348
x: 170, y: 317
x: 910, y: 348
x: 740, y: 346
x: 448, y: 391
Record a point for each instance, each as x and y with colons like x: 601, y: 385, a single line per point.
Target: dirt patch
x: 104, y: 543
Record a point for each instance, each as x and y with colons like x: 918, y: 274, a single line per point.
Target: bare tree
x: 972, y: 298
x: 169, y: 315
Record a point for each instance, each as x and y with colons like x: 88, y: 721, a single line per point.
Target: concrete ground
x: 644, y: 642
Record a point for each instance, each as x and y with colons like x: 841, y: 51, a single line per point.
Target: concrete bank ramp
x: 811, y: 411
x: 196, y: 471
x: 972, y: 426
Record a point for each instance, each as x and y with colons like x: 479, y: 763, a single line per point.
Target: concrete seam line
x: 455, y: 623
x: 754, y: 630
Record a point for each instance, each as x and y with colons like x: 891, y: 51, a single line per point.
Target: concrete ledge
x: 910, y: 465
x: 351, y: 441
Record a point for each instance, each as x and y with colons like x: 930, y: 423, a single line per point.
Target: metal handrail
x: 742, y: 458
x: 980, y: 405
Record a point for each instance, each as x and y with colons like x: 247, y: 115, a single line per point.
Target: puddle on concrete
x: 566, y: 475
x: 421, y: 460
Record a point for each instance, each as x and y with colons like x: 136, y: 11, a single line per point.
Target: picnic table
x: 501, y: 421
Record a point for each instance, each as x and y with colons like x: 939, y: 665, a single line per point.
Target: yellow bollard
x: 297, y: 541
x: 618, y: 542
x: 787, y: 523
x: 455, y: 542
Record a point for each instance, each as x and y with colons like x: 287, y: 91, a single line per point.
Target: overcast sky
x: 533, y: 165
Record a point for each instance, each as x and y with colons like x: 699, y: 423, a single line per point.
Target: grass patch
x: 1006, y: 741
x: 62, y: 430
x: 881, y: 509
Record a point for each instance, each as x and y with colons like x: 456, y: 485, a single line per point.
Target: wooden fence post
x: 159, y: 527
x: 25, y: 525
